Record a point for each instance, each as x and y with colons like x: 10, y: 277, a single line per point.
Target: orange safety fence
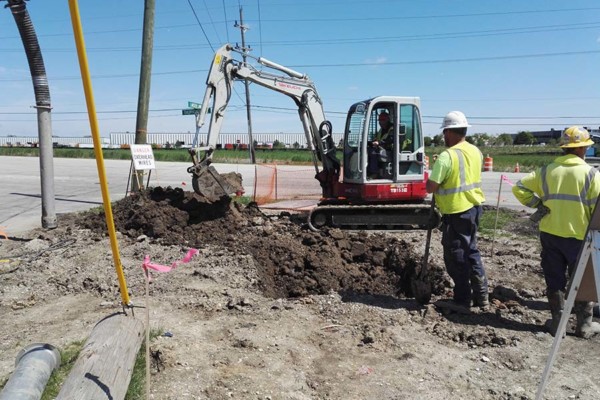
x: 275, y: 183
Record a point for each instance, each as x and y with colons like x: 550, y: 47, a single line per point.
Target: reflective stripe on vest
x: 570, y: 197
x: 463, y: 187
x: 534, y: 200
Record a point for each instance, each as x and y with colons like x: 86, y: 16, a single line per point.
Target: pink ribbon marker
x: 505, y: 179
x: 167, y: 268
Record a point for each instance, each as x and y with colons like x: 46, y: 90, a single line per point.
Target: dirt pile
x: 293, y: 260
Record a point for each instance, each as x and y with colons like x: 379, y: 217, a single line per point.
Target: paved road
x: 77, y: 186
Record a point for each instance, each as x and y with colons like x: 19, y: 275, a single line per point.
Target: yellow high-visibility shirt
x: 569, y: 187
x: 458, y: 172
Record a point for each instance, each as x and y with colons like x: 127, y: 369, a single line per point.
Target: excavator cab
x: 384, y: 151
x: 384, y: 171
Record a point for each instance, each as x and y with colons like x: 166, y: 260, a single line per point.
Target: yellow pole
x: 91, y: 107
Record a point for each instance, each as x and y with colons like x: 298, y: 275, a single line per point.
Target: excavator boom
x: 224, y: 71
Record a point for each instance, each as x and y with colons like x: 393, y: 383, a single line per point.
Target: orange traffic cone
x: 517, y: 169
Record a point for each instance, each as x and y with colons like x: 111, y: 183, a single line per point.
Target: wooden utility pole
x: 105, y: 364
x: 245, y: 49
x: 141, y: 125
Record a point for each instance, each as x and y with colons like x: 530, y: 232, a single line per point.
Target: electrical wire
x: 371, y: 39
x: 260, y: 40
x: 18, y: 260
x: 331, y: 19
x: 200, y: 25
x: 226, y: 27
x: 214, y: 26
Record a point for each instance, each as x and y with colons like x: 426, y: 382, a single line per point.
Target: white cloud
x: 378, y: 60
x: 15, y: 73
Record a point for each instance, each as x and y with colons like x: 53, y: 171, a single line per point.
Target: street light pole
x: 43, y: 107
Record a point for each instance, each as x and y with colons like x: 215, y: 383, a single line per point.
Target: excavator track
x: 380, y: 217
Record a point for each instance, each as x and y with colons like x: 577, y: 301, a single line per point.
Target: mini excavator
x: 390, y: 195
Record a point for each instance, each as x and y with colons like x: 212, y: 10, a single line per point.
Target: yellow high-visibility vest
x: 569, y: 187
x: 462, y: 189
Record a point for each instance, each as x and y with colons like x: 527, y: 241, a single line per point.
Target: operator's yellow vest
x: 462, y: 189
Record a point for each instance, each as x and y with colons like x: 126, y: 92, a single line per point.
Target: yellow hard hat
x: 575, y: 136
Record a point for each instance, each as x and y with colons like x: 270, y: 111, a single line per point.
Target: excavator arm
x: 224, y: 71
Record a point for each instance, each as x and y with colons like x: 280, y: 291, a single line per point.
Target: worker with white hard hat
x: 455, y: 182
x: 565, y: 194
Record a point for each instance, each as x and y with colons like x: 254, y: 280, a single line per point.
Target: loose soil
x: 269, y: 309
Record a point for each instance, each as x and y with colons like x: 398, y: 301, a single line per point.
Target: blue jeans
x: 559, y: 256
x: 461, y: 256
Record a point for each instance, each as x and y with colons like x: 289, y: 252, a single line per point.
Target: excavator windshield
x: 383, y: 141
x: 353, y: 142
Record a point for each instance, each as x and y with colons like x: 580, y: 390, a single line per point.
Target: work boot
x: 586, y: 327
x: 480, y: 295
x: 556, y: 301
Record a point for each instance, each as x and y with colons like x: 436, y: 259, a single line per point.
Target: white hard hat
x: 455, y: 119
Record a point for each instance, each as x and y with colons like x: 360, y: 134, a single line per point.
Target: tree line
x: 483, y: 139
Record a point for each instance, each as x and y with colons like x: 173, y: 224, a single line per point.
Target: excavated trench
x: 292, y: 260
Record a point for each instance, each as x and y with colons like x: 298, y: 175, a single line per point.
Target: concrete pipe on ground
x: 34, y: 365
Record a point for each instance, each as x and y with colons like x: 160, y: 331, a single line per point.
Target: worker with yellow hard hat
x: 455, y: 182
x: 565, y: 194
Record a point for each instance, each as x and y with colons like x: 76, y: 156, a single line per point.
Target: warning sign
x: 142, y: 156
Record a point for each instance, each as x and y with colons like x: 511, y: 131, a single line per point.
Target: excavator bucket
x: 213, y: 186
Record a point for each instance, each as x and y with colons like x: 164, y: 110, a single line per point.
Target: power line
x: 226, y: 25
x: 107, y: 76
x: 434, y: 16
x: 214, y: 26
x: 443, y: 35
x: 260, y: 39
x: 372, y: 39
x: 295, y: 110
x: 318, y: 20
x: 450, y: 60
x: 200, y: 25
x: 351, y: 65
x: 328, y: 19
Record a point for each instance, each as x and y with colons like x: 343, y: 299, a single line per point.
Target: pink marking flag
x: 505, y: 179
x: 167, y: 268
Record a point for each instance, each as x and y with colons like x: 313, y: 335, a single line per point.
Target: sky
x: 509, y: 65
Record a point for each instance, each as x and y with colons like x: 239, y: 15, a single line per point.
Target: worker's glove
x: 540, y: 213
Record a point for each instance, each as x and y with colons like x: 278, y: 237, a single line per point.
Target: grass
x: 243, y: 200
x: 507, y: 223
x: 504, y: 158
x: 68, y: 356
x: 137, y: 385
x: 262, y: 156
x: 495, y: 220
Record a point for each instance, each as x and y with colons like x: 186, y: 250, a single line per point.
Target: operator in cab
x: 380, y: 149
x: 455, y: 182
x: 385, y: 134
